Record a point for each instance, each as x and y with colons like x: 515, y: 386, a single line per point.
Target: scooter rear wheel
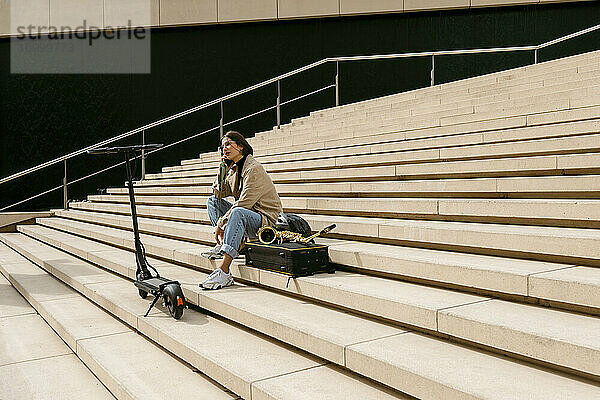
x: 174, y: 300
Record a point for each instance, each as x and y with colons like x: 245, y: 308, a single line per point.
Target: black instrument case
x: 290, y: 258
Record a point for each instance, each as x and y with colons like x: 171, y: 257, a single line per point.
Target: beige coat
x: 257, y: 192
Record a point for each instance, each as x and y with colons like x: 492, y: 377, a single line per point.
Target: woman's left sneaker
x: 214, y: 253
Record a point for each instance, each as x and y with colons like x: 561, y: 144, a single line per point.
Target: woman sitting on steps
x: 257, y: 204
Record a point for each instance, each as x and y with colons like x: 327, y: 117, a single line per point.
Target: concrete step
x: 325, y: 332
x: 400, y: 144
x: 487, y: 91
x: 547, y: 67
x: 244, y: 301
x: 358, y: 288
x: 539, y: 212
x: 435, y: 102
x: 427, y: 383
x: 371, y: 136
x: 412, y: 300
x: 384, y: 154
x: 235, y: 357
x: 583, y: 98
x: 13, y: 304
x: 37, y: 364
x: 572, y: 286
x: 567, y: 96
x: 496, y: 127
x: 516, y: 134
x: 526, y: 103
x: 558, y: 70
x: 107, y: 347
x: 561, y: 164
x: 580, y: 186
x: 470, y: 88
x: 565, y: 74
x: 499, y: 103
x: 371, y: 257
x: 403, y: 153
x: 450, y: 377
x: 572, y: 87
x: 530, y: 242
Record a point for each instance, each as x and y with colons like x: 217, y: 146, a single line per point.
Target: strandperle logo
x: 112, y: 40
x: 82, y: 32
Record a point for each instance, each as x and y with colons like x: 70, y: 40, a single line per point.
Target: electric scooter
x: 145, y: 281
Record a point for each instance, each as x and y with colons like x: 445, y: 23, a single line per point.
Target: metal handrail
x: 167, y: 146
x: 292, y: 73
x: 433, y: 53
x: 160, y: 122
x: 277, y: 80
x: 567, y: 37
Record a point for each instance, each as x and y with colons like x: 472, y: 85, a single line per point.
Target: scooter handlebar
x: 125, y: 149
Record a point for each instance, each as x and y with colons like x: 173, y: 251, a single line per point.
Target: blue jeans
x: 241, y: 223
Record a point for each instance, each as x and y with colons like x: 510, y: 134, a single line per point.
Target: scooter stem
x: 139, y: 255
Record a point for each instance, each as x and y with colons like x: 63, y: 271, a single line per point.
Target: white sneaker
x: 217, y: 280
x: 214, y: 253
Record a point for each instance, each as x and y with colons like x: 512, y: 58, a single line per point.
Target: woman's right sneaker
x: 217, y: 280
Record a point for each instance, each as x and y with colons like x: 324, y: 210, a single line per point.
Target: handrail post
x: 221, y: 124
x: 143, y: 155
x: 535, y: 60
x: 337, y: 83
x: 278, y: 103
x: 65, y: 202
x: 433, y: 70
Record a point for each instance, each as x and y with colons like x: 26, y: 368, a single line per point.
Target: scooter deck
x: 155, y: 284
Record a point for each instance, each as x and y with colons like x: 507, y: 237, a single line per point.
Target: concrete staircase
x: 468, y: 229
x: 58, y: 345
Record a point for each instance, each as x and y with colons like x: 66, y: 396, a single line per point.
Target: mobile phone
x: 226, y: 161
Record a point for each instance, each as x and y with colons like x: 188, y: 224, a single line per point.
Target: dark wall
x: 47, y: 116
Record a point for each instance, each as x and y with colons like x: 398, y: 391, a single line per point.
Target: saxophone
x: 269, y: 235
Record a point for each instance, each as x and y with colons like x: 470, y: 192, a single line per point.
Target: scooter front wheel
x: 174, y: 300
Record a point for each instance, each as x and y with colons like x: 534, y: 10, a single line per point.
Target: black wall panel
x: 46, y: 116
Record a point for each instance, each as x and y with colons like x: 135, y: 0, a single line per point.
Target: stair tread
x: 379, y: 288
x: 339, y: 328
x: 282, y: 381
x: 40, y: 341
x: 421, y: 297
x: 13, y: 303
x: 109, y: 348
x: 470, y: 270
x: 387, y: 155
x: 579, y: 183
x: 61, y: 377
x: 503, y: 167
x: 542, y: 231
x: 247, y: 357
x: 445, y: 365
x: 564, y: 212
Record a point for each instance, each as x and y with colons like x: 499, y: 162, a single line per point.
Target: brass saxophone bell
x: 267, y: 235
